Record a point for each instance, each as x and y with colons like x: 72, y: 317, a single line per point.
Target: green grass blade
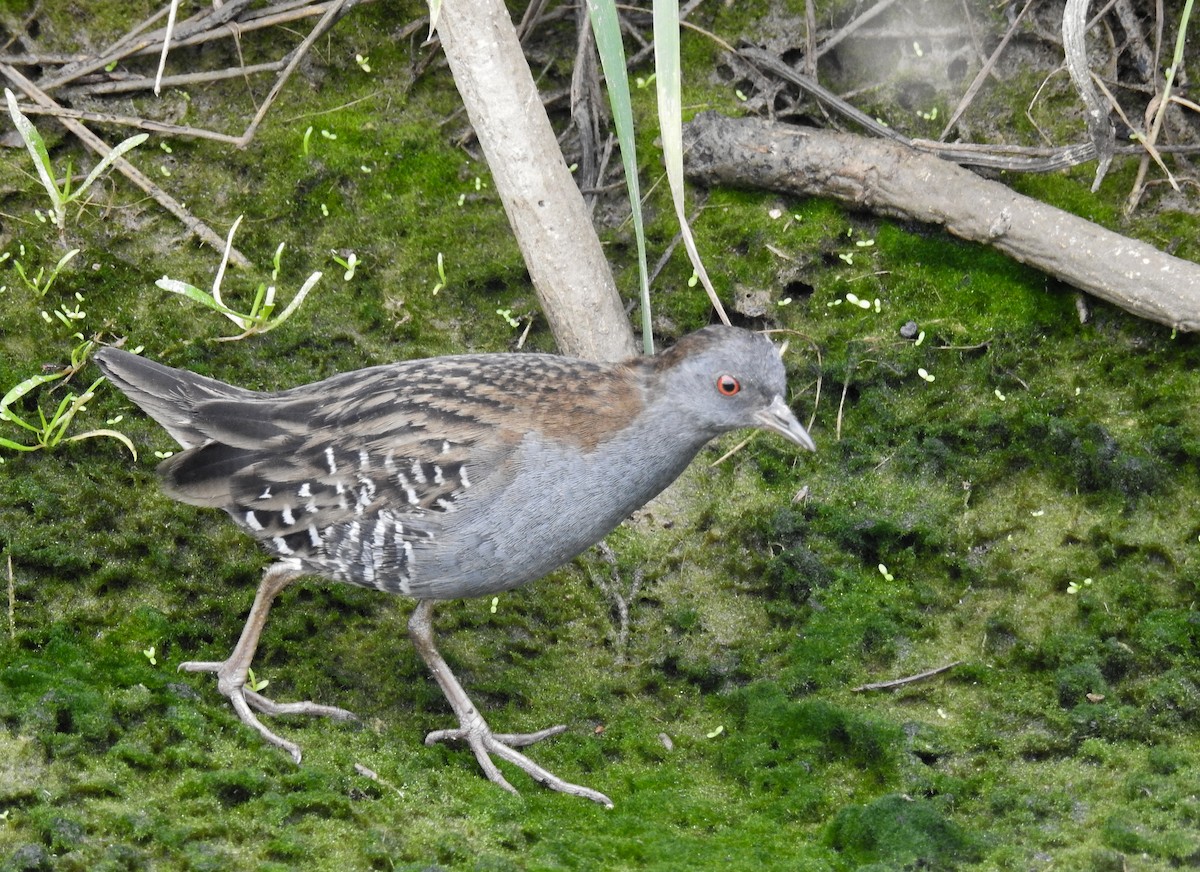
x: 670, y: 121
x: 607, y: 29
x: 107, y: 161
x: 435, y: 10
x: 295, y: 303
x: 37, y: 149
x: 19, y: 391
x: 17, y: 446
x: 112, y: 434
x: 203, y: 298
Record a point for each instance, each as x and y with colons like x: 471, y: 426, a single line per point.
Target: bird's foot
x: 243, y: 699
x: 480, y: 738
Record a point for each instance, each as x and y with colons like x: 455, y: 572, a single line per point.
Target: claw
x: 231, y: 673
x: 474, y: 730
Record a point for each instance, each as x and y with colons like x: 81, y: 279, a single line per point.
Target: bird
x: 446, y: 477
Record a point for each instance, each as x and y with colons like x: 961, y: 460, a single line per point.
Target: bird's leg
x: 232, y: 672
x: 474, y: 730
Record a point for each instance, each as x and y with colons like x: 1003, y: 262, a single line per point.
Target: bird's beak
x: 779, y: 418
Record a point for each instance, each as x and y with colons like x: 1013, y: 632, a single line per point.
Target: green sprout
x: 253, y: 683
x: 61, y: 197
x: 441, y: 268
x: 50, y: 431
x: 1077, y: 586
x: 507, y: 315
x: 148, y: 653
x: 304, y: 144
x: 68, y: 315
x: 349, y: 263
x: 259, y: 319
x: 40, y: 283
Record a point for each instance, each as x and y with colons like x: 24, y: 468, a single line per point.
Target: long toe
x: 270, y: 707
x: 202, y: 666
x: 543, y: 776
x: 485, y: 743
x: 513, y: 740
x: 231, y: 683
x: 238, y: 699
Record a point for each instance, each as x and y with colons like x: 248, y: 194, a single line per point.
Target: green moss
x: 1044, y: 453
x: 899, y: 832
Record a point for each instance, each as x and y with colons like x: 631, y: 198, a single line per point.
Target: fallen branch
x: 906, y: 680
x: 895, y: 180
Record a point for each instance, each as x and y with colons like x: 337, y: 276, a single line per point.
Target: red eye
x: 728, y: 385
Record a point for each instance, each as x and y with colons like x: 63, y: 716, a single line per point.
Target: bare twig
x: 908, y: 679
x: 1162, y: 103
x: 332, y: 13
x: 854, y: 25
x: 1001, y: 157
x: 145, y: 83
x: 985, y: 70
x: 96, y: 144
x: 898, y: 181
x: 1100, y: 128
x: 810, y: 39
x: 768, y: 62
x: 56, y: 111
x: 366, y: 772
x: 125, y: 47
x: 1135, y: 41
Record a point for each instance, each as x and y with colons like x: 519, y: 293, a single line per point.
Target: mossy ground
x: 1046, y: 452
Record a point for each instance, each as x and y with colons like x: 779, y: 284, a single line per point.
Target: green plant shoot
x: 50, y: 431
x: 258, y: 319
x: 61, y: 197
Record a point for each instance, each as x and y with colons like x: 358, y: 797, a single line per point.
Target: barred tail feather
x: 165, y: 394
